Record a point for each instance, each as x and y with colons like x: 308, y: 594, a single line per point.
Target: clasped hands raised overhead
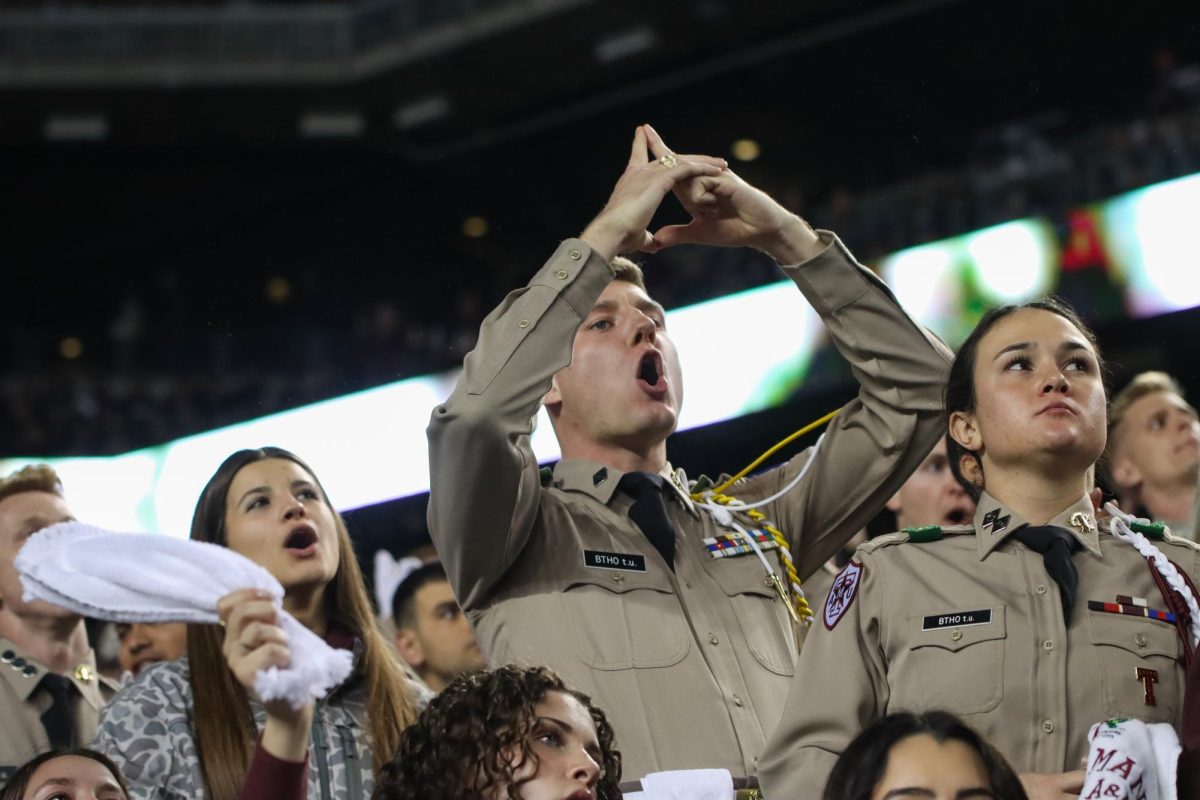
x: 726, y: 211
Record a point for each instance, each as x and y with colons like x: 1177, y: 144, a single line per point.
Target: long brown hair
x: 224, y: 724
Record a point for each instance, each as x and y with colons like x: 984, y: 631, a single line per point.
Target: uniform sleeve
x: 144, y: 730
x: 879, y: 438
x: 484, y: 483
x: 840, y: 687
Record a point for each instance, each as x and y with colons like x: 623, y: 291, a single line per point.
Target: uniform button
x: 523, y: 323
x: 29, y: 671
x: 688, y: 584
x: 1140, y: 640
x: 737, y: 701
x: 756, y: 763
x: 17, y: 663
x: 7, y: 657
x: 1048, y: 726
x: 956, y: 635
x: 561, y: 274
x: 1041, y: 588
x: 574, y: 254
x: 1048, y: 645
x: 617, y: 577
x: 712, y: 639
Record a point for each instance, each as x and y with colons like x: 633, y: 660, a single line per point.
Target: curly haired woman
x: 507, y: 734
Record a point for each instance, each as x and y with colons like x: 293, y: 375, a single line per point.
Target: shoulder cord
x: 719, y: 505
x: 1119, y: 527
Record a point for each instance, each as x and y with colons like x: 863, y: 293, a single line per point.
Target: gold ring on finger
x: 669, y: 160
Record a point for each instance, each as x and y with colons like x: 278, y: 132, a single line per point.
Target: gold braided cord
x: 775, y: 449
x: 799, y: 601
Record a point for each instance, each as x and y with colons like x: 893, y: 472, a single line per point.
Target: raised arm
x: 484, y: 485
x: 879, y: 438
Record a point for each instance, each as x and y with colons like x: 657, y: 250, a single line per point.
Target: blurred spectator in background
x: 50, y: 691
x: 930, y: 497
x: 1153, y: 458
x: 144, y: 643
x: 432, y: 633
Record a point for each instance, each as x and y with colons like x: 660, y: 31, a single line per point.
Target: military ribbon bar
x: 730, y: 544
x: 1131, y: 610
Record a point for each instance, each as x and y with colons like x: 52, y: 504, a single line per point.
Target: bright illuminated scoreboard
x: 1129, y: 256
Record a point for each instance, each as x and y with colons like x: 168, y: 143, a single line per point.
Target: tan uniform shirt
x: 973, y: 624
x: 22, y: 734
x: 691, y: 666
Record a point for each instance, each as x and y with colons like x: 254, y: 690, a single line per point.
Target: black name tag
x: 630, y: 562
x: 957, y: 619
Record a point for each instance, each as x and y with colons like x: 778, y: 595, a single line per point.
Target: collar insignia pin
x: 1082, y: 521
x: 85, y: 673
x: 600, y: 477
x: 994, y: 521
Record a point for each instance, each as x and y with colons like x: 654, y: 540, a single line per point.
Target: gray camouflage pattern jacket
x: 147, y: 730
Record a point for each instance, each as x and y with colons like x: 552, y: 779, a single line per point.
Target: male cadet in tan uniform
x: 690, y: 655
x: 50, y: 692
x: 965, y: 619
x: 1153, y: 458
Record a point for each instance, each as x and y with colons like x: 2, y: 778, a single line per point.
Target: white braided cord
x: 1119, y: 527
x: 721, y: 513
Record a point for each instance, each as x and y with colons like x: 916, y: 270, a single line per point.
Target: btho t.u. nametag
x: 629, y: 562
x: 956, y: 619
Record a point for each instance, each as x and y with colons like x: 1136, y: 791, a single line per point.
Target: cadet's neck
x: 1034, y: 496
x: 1172, y: 503
x: 58, y: 642
x: 635, y: 458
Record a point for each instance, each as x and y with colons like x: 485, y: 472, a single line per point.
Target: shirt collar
x: 600, y: 482
x: 24, y: 685
x: 995, y: 522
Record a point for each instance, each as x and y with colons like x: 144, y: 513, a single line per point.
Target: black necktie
x: 58, y: 719
x: 649, y: 511
x: 1056, y: 546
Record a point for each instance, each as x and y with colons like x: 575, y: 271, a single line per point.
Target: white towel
x: 686, y: 784
x: 1130, y: 760
x: 131, y: 577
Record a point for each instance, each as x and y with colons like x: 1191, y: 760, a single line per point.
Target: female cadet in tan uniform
x: 1029, y: 648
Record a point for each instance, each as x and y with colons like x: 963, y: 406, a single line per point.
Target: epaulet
x: 883, y: 541
x: 921, y: 534
x: 547, y: 475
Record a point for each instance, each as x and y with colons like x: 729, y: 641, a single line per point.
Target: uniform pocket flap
x: 621, y: 579
x: 1138, y: 635
x: 955, y: 630
x: 743, y: 574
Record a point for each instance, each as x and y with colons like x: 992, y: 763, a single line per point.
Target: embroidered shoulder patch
x: 842, y: 593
